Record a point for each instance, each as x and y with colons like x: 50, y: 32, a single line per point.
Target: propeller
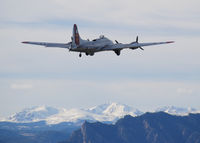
x: 70, y: 46
x: 137, y: 42
x: 116, y: 41
x: 141, y: 48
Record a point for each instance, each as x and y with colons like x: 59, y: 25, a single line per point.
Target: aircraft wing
x: 134, y: 45
x: 46, y: 44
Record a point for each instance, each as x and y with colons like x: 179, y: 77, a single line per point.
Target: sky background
x: 158, y: 76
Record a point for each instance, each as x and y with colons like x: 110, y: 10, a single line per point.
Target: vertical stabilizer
x: 76, y: 38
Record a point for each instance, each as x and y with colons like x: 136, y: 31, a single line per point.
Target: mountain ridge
x: 148, y: 128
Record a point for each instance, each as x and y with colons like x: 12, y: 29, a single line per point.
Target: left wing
x: 46, y: 44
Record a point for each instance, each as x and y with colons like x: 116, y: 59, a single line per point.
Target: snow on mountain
x: 98, y: 109
x: 118, y: 110
x: 103, y: 113
x: 177, y: 110
x: 2, y: 119
x: 33, y: 114
x: 71, y: 115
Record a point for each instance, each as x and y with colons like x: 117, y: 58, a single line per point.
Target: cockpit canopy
x: 101, y: 36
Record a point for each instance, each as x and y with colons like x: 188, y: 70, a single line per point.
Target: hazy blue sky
x: 158, y: 76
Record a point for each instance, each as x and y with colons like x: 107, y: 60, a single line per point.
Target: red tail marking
x: 77, y: 40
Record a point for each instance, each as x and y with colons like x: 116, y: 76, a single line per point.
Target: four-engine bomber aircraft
x: 97, y: 45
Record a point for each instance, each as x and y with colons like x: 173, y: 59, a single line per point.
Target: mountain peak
x: 118, y: 109
x: 115, y: 109
x: 35, y: 113
x: 177, y: 110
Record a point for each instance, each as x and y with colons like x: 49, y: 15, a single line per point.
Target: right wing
x: 133, y: 45
x: 46, y: 44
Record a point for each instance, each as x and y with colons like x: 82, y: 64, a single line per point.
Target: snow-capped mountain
x: 177, y: 110
x: 2, y: 119
x: 115, y: 109
x: 103, y: 113
x: 33, y: 114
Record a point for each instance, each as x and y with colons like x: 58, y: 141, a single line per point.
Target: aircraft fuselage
x: 93, y: 46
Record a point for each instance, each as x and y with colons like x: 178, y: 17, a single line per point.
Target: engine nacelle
x: 117, y: 52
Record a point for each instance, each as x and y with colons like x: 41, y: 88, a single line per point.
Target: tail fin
x: 76, y: 38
